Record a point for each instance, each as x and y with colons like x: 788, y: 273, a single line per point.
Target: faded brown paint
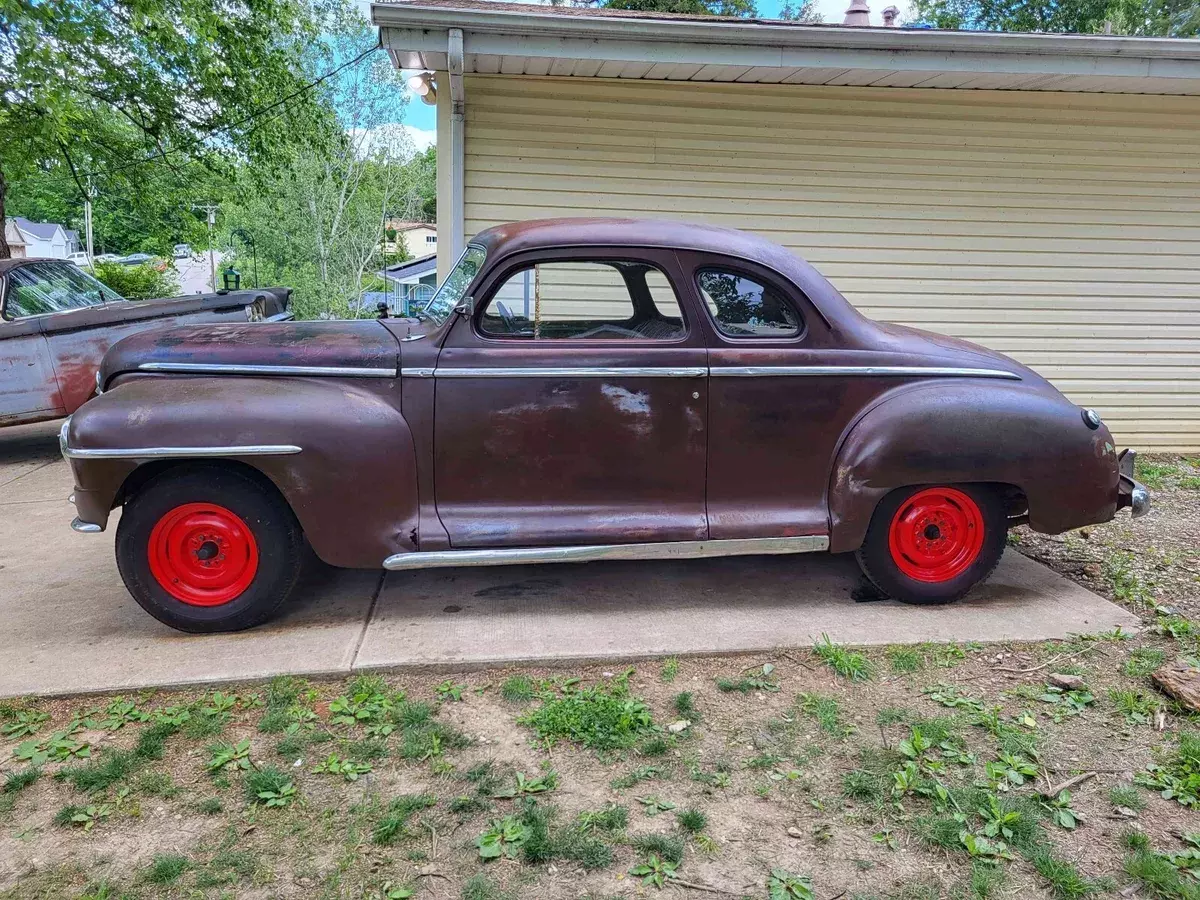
x: 48, y: 363
x: 390, y: 466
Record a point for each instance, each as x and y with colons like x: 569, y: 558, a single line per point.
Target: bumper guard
x: 1131, y: 493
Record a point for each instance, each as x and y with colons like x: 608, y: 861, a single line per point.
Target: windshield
x: 38, y: 288
x: 454, y: 288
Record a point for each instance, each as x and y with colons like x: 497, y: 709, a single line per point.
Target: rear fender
x: 1029, y: 437
x: 352, y: 485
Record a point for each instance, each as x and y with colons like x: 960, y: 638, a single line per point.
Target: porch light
x: 232, y: 278
x: 422, y: 85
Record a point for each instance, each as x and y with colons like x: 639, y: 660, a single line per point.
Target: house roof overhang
x: 524, y: 39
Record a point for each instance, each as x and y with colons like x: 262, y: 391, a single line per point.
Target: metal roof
x: 525, y: 39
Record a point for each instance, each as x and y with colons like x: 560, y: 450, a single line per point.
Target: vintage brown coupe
x: 578, y: 390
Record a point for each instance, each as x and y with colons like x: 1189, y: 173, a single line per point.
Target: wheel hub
x: 202, y: 554
x: 936, y: 534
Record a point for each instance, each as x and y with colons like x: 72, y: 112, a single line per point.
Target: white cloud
x: 401, y: 141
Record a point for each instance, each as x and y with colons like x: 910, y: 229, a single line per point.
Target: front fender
x: 352, y: 485
x: 1025, y: 435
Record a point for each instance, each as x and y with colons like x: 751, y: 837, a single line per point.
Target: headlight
x: 1091, y: 418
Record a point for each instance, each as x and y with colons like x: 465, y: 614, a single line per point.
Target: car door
x: 570, y: 406
x: 28, y: 389
x: 772, y: 432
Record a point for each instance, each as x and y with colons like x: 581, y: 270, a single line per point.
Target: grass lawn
x: 906, y: 772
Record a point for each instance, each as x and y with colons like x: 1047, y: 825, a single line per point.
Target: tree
x: 806, y: 12
x: 107, y: 86
x: 1176, y: 18
x: 738, y: 8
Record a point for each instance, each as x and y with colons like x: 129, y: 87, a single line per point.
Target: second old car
x: 578, y: 390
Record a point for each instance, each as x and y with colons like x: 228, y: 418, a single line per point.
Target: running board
x: 809, y: 543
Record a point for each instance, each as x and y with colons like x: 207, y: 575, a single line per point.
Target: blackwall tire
x: 207, y: 548
x: 931, y: 544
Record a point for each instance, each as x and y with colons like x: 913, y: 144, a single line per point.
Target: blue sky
x: 422, y: 117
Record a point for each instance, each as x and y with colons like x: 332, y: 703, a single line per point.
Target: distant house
x: 411, y: 284
x: 16, y: 241
x: 417, y: 238
x: 43, y: 238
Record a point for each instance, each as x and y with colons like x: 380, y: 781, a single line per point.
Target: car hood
x: 357, y: 345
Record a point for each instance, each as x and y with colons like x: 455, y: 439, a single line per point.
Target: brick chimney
x: 890, y: 15
x: 858, y: 13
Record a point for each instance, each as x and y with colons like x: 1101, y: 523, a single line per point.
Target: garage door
x: 1063, y: 229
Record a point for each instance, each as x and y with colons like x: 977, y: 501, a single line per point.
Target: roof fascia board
x: 404, y: 41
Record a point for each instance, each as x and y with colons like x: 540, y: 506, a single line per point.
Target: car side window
x: 742, y: 307
x: 39, y: 288
x: 586, y: 300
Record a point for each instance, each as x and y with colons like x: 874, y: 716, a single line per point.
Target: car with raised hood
x: 57, y: 322
x: 576, y: 390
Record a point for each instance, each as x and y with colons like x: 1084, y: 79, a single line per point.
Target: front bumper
x: 1130, y: 492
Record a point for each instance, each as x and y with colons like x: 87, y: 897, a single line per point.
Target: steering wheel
x: 506, y: 317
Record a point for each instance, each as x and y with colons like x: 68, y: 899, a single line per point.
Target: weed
x: 666, y: 846
x: 893, y: 715
x: 1152, y: 474
x: 861, y: 785
x: 827, y: 712
x: 761, y: 680
x: 1177, y: 777
x: 657, y: 745
x: 167, y: 867
x: 229, y: 757
x: 1126, y: 796
x: 392, y: 824
x: 484, y: 776
x: 653, y: 805
x: 951, y: 697
x: 449, y: 692
x: 210, y: 806
x: 24, y: 723
x: 1125, y: 583
x: 517, y: 689
x: 905, y: 659
x: 1134, y: 840
x: 654, y: 870
x: 1061, y: 812
x: 783, y: 885
x: 431, y: 740
x: 1159, y: 876
x: 18, y: 781
x: 152, y: 741
x: 1064, y: 879
x: 411, y: 713
x: 347, y: 768
x: 270, y: 787
x: 847, y: 663
x: 986, y: 881
x: 1143, y: 661
x: 547, y: 841
x: 670, y: 669
x: 480, y: 887
x: 526, y: 784
x: 1176, y: 627
x: 611, y: 818
x: 691, y: 820
x: 685, y: 706
x: 157, y: 784
x: 503, y: 837
x: 227, y: 867
x: 109, y: 768
x: 84, y: 817
x: 467, y: 806
x: 604, y: 717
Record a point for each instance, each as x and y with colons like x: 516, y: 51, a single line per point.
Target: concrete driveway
x: 70, y: 626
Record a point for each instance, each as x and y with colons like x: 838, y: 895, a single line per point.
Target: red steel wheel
x: 202, y: 554
x: 936, y: 534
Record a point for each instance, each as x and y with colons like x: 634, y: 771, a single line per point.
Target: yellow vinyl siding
x: 1063, y: 229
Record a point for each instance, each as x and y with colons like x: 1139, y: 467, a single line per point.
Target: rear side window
x: 610, y: 300
x: 742, y: 307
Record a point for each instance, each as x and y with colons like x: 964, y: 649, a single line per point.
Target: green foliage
x: 653, y: 805
x: 667, y: 846
x: 84, y: 817
x: 604, y: 717
x: 1126, y: 796
x: 1143, y: 661
x: 1159, y: 877
x: 502, y: 838
x: 480, y: 887
x: 24, y: 723
x: 347, y: 768
x: 517, y: 689
x: 760, y: 680
x: 783, y: 885
x: 612, y: 817
x: 1137, y: 707
x: 1063, y: 879
x: 826, y: 711
x: 847, y: 663
x: 104, y: 771
x: 670, y: 669
x: 905, y: 659
x: 1177, y: 776
x: 450, y: 692
x: 142, y: 282
x: 739, y: 8
x: 526, y: 784
x: 270, y: 787
x: 229, y: 757
x: 692, y: 820
x: 638, y: 775
x: 548, y: 841
x: 392, y: 824
x: 1066, y: 703
x: 167, y: 867
x: 654, y: 871
x: 18, y: 780
x: 1132, y: 17
x: 685, y: 706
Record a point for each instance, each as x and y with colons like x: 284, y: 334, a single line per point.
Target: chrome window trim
x: 811, y: 543
x: 867, y: 371
x: 235, y: 369
x: 574, y: 372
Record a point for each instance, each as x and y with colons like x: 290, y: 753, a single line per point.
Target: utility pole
x: 211, y: 209
x: 87, y: 221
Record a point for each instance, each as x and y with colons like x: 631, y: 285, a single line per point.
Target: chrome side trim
x: 575, y: 372
x: 875, y: 371
x: 233, y: 369
x: 176, y: 452
x: 85, y: 527
x: 417, y: 373
x: 672, y: 550
x: 286, y: 316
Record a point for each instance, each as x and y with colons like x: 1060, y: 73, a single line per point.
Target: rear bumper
x: 1130, y: 492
